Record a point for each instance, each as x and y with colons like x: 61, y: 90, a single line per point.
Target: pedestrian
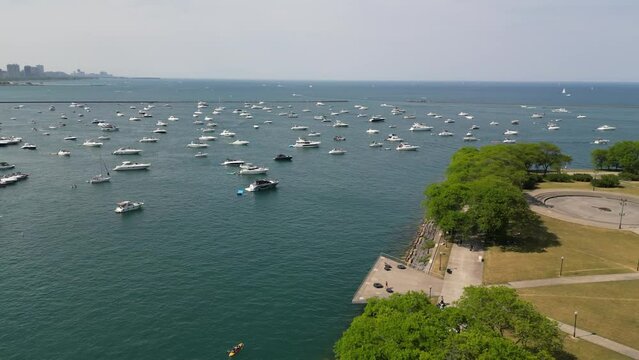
x: 387, y: 284
x: 471, y: 247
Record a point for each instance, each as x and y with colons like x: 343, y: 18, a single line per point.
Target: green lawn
x: 627, y: 187
x: 586, y: 251
x: 584, y: 350
x: 608, y: 309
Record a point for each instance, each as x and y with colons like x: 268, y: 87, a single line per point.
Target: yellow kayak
x: 236, y: 349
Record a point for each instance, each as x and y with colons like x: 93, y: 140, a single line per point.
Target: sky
x: 413, y: 40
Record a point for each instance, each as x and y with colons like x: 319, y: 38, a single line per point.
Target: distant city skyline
x: 414, y: 40
x: 37, y: 72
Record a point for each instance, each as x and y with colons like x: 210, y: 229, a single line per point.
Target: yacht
x: 606, y: 128
x: 299, y: 127
x: 148, y: 140
x: 406, y: 147
x: 469, y: 137
x: 147, y: 115
x: 227, y: 133
x: 200, y: 154
x: 553, y: 126
x: 339, y: 138
x: 240, y: 142
x: 248, y: 169
x: 469, y: 117
x: 197, y: 145
x: 431, y: 114
x: 420, y: 127
x: 283, y: 157
x: 601, y: 141
x: 372, y: 131
x: 233, y: 162
x: 161, y: 123
x: 126, y: 206
x: 393, y: 137
x: 303, y: 143
x: 92, y: 143
x: 511, y: 132
x: 494, y: 123
x: 292, y: 115
x: 537, y: 116
x: 446, y: 133
x: 129, y: 165
x: 105, y: 126
x: 207, y: 138
x: 198, y: 122
x: 438, y: 116
x: 337, y: 151
x: 72, y: 138
x: 127, y: 151
x: 208, y: 130
x: 119, y: 114
x: 474, y: 127
x: 319, y: 117
x: 319, y: 103
x: 98, y: 179
x: 559, y: 110
x: 463, y: 113
x: 262, y: 184
x: 509, y: 141
x: 159, y: 131
x: 376, y: 118
x: 133, y: 118
x: 173, y: 118
x: 449, y: 121
x: 268, y: 121
x: 581, y: 116
x: 515, y: 122
x: 104, y: 137
x: 410, y: 117
x: 340, y: 124
x: 375, y: 144
x: 64, y: 153
x: 314, y: 134
x: 28, y: 146
x: 6, y: 166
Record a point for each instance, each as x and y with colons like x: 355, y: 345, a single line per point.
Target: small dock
x: 395, y: 279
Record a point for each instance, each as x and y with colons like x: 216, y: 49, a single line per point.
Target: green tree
x: 625, y: 155
x: 551, y: 157
x: 599, y: 158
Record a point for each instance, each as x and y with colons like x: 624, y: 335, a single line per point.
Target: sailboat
x: 101, y: 178
x: 563, y: 92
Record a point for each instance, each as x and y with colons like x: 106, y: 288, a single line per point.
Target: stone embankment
x: 417, y: 253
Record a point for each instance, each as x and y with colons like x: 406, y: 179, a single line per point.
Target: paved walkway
x: 467, y: 268
x: 573, y: 280
x: 601, y: 341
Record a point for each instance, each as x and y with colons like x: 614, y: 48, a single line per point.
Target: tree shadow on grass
x: 528, y: 236
x: 564, y: 355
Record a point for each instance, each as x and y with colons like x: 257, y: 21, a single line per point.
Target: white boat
x: 127, y: 151
x: 406, y: 147
x: 515, y: 122
x: 148, y: 140
x: 494, y: 123
x: 197, y: 145
x: 105, y: 126
x: 601, y: 141
x: 303, y: 143
x: 64, y: 153
x: 319, y: 103
x: 559, y: 110
x: 375, y: 144
x: 299, y: 127
x: 376, y: 118
x: 227, y: 133
x: 337, y: 151
x: 28, y: 146
x: 552, y: 126
x: 537, y: 116
x: 207, y: 138
x: 474, y: 127
x: 469, y: 137
x: 292, y: 115
x: 393, y: 138
x: 431, y: 114
x: 159, y: 131
x: 173, y: 118
x: 233, y: 162
x: 200, y: 154
x: 133, y: 118
x: 161, y: 123
x: 249, y: 169
x: 581, y: 116
x: 410, y: 117
x: 511, y: 132
x: 129, y: 165
x: 420, y: 127
x: 262, y: 184
x: 462, y: 113
x: 92, y: 143
x: 438, y: 116
x: 6, y: 166
x: 240, y: 142
x: 446, y: 133
x: 340, y: 124
x: 208, y: 130
x: 98, y: 179
x: 469, y: 117
x: 314, y: 134
x: 509, y: 141
x: 71, y: 138
x: 318, y: 117
x: 606, y: 128
x: 198, y: 122
x: 126, y: 206
x: 255, y: 126
x: 449, y: 121
x: 372, y: 131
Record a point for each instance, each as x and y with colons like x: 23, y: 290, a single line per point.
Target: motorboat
x: 469, y: 117
x: 200, y: 154
x: 147, y: 115
x: 559, y: 110
x: 292, y: 115
x: 372, y: 131
x: 207, y: 138
x: 314, y: 134
x: 262, y: 184
x: 406, y: 147
x: 71, y: 138
x: 337, y: 151
x: 198, y: 122
x: 606, y: 128
x: 130, y: 165
x: 339, y: 138
x: 255, y: 126
x: 376, y: 118
x: 515, y: 122
x: 494, y: 123
x: 509, y: 141
x: 420, y: 127
x: 105, y: 126
x: 552, y: 126
x: 64, y: 153
x: 134, y: 118
x: 197, y: 145
x: 126, y: 206
x: 159, y: 131
x: 303, y: 143
x: 446, y: 133
x: 462, y: 113
x: 127, y: 151
x: 249, y: 169
x: 410, y: 117
x: 449, y: 121
x: 233, y: 162
x: 340, y: 124
x: 537, y: 116
x: 601, y: 141
x: 393, y: 137
x: 581, y: 116
x: 474, y: 127
x: 438, y: 116
x: 28, y: 146
x: 173, y: 118
x: 469, y: 137
x: 283, y: 157
x: 240, y: 142
x: 375, y: 144
x: 161, y: 123
x: 92, y: 143
x: 51, y: 108
x: 431, y: 114
x: 509, y: 132
x: 10, y: 140
x: 6, y: 166
x: 299, y: 127
x: 148, y: 140
x: 227, y: 133
x: 98, y: 179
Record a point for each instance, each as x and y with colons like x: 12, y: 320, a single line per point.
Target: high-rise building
x: 13, y: 70
x: 39, y: 70
x: 28, y: 71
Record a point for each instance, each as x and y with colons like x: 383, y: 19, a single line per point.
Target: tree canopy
x: 623, y: 155
x: 488, y: 323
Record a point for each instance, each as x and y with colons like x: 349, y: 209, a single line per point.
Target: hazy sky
x: 511, y: 40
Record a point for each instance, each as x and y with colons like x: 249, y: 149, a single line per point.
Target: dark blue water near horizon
x: 200, y: 268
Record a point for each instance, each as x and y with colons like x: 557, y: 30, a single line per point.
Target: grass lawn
x: 586, y: 251
x: 607, y: 309
x: 584, y: 350
x: 628, y: 187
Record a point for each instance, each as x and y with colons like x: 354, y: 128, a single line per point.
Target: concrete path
x: 601, y: 341
x: 467, y: 269
x: 573, y: 280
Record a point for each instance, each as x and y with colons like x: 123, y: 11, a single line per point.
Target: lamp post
x: 574, y: 327
x: 621, y: 214
x: 440, y: 261
x: 430, y: 292
x: 561, y: 267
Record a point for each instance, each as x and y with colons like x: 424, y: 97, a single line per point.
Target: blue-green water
x: 200, y: 269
